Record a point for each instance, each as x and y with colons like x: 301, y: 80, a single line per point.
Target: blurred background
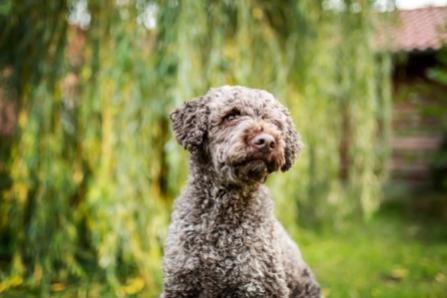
x: 89, y: 168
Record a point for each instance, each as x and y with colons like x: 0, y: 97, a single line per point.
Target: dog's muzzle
x: 260, y: 159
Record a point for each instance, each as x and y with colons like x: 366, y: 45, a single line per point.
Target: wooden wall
x: 418, y: 105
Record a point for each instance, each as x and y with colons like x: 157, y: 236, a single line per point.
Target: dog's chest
x: 232, y: 245
x: 228, y: 246
x: 232, y: 228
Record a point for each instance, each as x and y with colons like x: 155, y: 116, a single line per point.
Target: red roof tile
x: 415, y: 30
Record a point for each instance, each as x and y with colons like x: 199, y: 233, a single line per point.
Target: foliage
x: 92, y: 169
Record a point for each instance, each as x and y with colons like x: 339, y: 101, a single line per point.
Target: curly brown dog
x: 224, y: 240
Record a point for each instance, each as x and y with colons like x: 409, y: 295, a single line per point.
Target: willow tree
x: 92, y: 168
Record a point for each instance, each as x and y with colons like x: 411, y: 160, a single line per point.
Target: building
x: 416, y: 39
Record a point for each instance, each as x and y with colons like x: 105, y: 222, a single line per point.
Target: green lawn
x: 401, y: 252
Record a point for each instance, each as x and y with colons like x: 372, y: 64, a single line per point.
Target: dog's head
x: 246, y: 133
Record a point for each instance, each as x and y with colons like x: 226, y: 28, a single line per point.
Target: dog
x: 224, y: 240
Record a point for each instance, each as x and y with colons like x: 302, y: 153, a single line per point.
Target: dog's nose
x: 263, y: 141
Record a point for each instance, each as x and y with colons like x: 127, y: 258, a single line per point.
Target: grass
x: 400, y: 252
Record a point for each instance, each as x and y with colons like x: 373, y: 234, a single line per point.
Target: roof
x: 421, y: 29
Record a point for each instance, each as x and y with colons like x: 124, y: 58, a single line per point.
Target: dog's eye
x: 232, y: 115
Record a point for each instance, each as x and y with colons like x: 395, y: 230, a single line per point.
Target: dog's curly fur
x: 224, y: 240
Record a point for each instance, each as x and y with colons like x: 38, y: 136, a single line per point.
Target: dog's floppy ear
x: 293, y: 143
x: 190, y: 123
